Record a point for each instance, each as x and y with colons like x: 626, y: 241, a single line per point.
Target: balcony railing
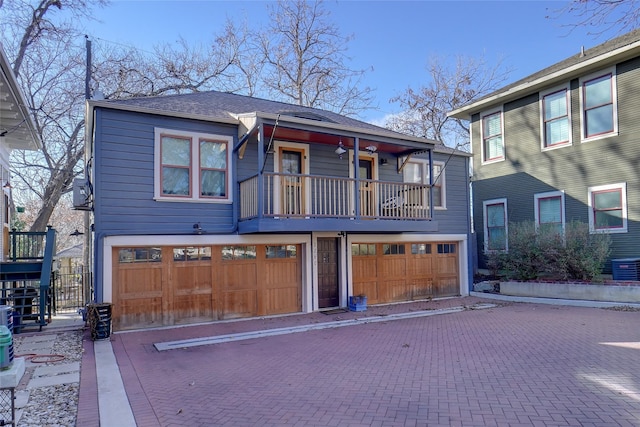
x: 308, y: 196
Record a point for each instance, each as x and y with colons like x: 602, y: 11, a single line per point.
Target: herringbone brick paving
x: 515, y: 364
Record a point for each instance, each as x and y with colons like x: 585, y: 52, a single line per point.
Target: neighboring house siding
x: 527, y: 170
x: 455, y: 218
x: 124, y: 168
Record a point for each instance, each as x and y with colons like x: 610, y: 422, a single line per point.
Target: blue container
x: 358, y: 303
x: 626, y: 269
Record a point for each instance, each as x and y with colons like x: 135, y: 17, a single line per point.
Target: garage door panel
x: 397, y: 290
x: 283, y: 300
x: 239, y: 275
x: 369, y: 288
x: 278, y: 273
x: 135, y: 313
x: 191, y: 277
x: 239, y: 304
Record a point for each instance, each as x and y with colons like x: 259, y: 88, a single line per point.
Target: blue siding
x: 124, y: 178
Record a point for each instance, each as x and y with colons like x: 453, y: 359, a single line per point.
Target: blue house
x: 212, y: 206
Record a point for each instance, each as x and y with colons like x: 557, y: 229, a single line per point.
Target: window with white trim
x: 417, y: 171
x: 495, y: 225
x: 608, y: 208
x: 598, y: 103
x: 555, y: 106
x: 492, y: 137
x: 549, y: 210
x: 192, y: 166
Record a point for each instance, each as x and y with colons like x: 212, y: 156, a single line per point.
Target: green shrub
x: 542, y: 252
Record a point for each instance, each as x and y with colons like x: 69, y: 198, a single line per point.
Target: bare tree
x: 306, y: 62
x: 600, y: 16
x: 425, y: 108
x: 50, y: 64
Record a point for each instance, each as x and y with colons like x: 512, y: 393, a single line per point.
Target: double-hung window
x: 417, y: 171
x: 192, y: 166
x: 492, y: 138
x: 549, y: 211
x: 495, y: 225
x: 608, y: 208
x: 599, y: 105
x: 556, y: 122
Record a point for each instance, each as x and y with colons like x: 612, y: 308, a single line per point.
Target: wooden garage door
x: 177, y: 285
x: 390, y: 272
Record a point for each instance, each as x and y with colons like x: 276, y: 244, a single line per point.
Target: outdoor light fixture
x: 371, y: 148
x: 340, y: 150
x: 7, y: 185
x: 197, y: 228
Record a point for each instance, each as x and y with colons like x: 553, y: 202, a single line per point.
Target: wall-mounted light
x: 383, y: 161
x: 340, y: 150
x: 197, y: 228
x: 371, y: 148
x: 7, y: 185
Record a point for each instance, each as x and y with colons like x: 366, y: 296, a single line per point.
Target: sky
x: 393, y: 40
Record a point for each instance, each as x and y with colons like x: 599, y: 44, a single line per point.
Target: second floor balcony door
x: 292, y: 182
x: 367, y: 190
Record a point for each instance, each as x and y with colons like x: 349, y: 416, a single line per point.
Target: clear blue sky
x: 393, y: 39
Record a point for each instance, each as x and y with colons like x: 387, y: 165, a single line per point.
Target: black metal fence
x: 70, y: 288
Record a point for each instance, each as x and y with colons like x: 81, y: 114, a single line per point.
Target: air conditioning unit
x: 81, y: 194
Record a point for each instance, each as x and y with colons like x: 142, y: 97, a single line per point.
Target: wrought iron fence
x: 69, y: 288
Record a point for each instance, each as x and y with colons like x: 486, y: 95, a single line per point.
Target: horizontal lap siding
x: 528, y: 170
x: 124, y: 168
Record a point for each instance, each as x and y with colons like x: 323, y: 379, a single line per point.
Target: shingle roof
x: 224, y: 105
x: 608, y: 46
x: 586, y: 57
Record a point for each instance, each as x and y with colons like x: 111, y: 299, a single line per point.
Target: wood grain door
x: 328, y: 291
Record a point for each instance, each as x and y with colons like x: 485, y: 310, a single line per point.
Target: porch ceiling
x: 17, y: 129
x: 284, y: 133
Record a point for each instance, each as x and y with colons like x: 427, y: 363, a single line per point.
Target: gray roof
x: 578, y: 63
x: 224, y: 106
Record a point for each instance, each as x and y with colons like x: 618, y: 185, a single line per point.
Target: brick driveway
x: 515, y: 364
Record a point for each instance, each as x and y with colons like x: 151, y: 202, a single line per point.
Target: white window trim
x: 623, y: 188
x: 504, y: 143
x: 195, y: 167
x: 443, y: 187
x: 614, y: 96
x: 542, y: 127
x: 486, y: 203
x: 547, y: 195
x: 277, y: 145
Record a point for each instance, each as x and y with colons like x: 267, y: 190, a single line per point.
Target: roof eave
x: 34, y: 142
x: 527, y: 87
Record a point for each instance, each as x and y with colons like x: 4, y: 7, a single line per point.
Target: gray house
x: 559, y: 145
x: 212, y: 206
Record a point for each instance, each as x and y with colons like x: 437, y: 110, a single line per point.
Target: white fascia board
x: 587, y: 66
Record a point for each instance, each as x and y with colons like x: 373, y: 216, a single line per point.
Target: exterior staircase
x: 26, y: 277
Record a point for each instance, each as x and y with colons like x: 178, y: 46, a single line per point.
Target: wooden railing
x: 309, y: 196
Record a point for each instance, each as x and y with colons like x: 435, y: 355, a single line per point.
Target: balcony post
x: 430, y: 184
x: 356, y: 175
x: 260, y: 171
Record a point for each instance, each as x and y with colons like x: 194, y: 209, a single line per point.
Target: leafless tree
x: 306, y: 62
x: 600, y: 16
x: 50, y: 64
x: 300, y: 59
x: 424, y: 109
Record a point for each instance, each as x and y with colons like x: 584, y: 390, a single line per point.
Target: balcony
x: 275, y: 202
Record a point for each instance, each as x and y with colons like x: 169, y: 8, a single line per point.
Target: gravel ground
x: 56, y: 405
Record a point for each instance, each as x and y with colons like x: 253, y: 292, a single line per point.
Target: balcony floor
x: 305, y: 225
